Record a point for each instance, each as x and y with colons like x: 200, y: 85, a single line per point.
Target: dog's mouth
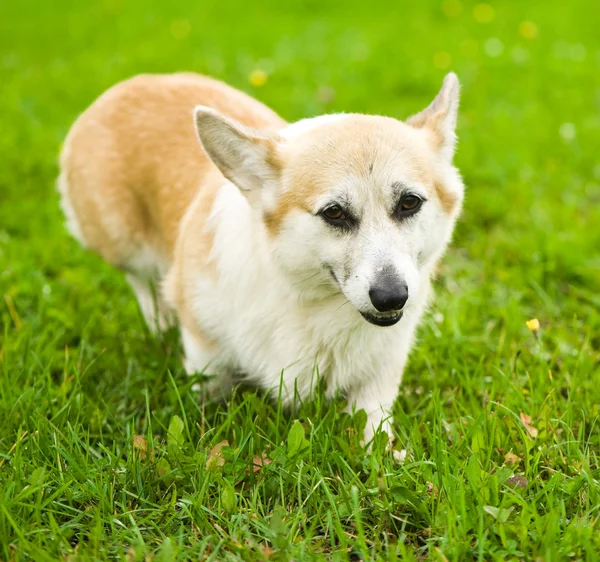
x: 383, y: 318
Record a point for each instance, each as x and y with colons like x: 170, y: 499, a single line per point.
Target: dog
x: 286, y: 252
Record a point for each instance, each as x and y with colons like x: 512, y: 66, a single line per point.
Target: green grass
x: 80, y: 375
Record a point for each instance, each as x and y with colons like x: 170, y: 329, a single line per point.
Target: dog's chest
x: 299, y: 346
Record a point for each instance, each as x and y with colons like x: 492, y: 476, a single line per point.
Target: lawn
x: 106, y: 451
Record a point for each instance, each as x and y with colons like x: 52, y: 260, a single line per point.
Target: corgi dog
x: 284, y: 251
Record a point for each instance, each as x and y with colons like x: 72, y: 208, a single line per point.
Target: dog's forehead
x: 357, y: 153
x: 359, y: 158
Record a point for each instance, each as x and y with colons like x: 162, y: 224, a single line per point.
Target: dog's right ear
x: 245, y: 156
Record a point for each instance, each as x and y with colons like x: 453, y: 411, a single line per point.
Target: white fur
x: 285, y: 309
x: 239, y: 147
x: 72, y: 223
x: 255, y: 315
x: 294, y: 130
x: 151, y: 302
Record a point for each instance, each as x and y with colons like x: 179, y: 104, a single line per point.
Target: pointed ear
x: 245, y: 156
x: 440, y: 116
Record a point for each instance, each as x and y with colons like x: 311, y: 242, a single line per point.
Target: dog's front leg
x: 376, y: 397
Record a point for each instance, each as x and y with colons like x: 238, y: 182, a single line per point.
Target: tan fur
x: 448, y: 200
x: 306, y: 181
x: 132, y: 164
x: 193, y: 249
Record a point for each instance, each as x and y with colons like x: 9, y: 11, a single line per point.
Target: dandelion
x: 528, y: 30
x: 533, y: 325
x: 452, y: 8
x: 484, y: 13
x: 258, y: 78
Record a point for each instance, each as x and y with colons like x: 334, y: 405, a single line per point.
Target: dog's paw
x: 399, y: 456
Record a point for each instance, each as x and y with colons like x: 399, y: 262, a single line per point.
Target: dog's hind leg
x: 154, y: 309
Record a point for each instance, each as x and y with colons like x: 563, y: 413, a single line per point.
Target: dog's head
x: 360, y: 204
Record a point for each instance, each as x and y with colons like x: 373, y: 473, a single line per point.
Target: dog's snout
x: 389, y: 293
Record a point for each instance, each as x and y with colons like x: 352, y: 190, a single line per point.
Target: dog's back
x: 132, y: 164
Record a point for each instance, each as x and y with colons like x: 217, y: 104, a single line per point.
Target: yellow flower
x: 484, y: 13
x: 452, y: 8
x: 528, y: 30
x: 258, y: 78
x: 533, y: 324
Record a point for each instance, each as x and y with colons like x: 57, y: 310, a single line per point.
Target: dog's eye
x: 409, y: 204
x: 335, y: 214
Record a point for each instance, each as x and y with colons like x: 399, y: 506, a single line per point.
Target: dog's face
x: 357, y: 204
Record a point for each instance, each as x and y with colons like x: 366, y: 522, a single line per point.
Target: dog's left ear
x: 440, y: 116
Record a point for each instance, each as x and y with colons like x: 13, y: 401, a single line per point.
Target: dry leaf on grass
x: 259, y: 462
x: 215, y: 457
x: 267, y: 551
x: 527, y: 423
x: 432, y: 489
x: 141, y: 445
x: 511, y: 459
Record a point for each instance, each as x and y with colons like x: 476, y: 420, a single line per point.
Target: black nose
x: 389, y: 294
